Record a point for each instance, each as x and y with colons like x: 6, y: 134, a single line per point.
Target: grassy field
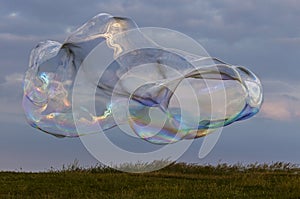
x: 175, y: 181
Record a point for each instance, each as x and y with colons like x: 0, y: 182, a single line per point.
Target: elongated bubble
x: 163, y: 94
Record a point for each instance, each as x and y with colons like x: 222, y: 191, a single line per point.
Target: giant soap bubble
x: 163, y: 94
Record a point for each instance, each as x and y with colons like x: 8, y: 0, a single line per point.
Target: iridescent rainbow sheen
x: 223, y: 93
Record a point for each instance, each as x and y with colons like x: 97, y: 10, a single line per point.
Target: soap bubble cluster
x: 111, y: 73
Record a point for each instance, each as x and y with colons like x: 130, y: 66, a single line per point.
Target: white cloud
x: 13, y: 15
x: 14, y: 37
x: 11, y: 98
x: 282, y: 100
x: 14, y: 78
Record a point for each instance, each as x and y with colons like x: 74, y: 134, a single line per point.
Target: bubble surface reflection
x: 163, y: 94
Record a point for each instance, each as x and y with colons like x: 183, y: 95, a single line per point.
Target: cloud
x: 282, y: 101
x: 261, y: 35
x: 19, y: 38
x: 11, y: 98
x: 13, y: 15
x: 13, y: 79
x: 279, y: 109
x: 12, y: 84
x: 222, y: 19
x: 288, y: 40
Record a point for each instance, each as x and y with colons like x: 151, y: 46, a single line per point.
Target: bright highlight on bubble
x: 163, y: 94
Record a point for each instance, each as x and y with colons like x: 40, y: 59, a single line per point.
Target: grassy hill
x: 178, y: 180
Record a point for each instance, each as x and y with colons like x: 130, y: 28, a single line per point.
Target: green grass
x: 178, y: 180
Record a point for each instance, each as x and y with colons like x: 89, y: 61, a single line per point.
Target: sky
x: 261, y: 35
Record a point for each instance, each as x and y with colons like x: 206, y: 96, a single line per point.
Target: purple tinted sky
x: 262, y: 35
